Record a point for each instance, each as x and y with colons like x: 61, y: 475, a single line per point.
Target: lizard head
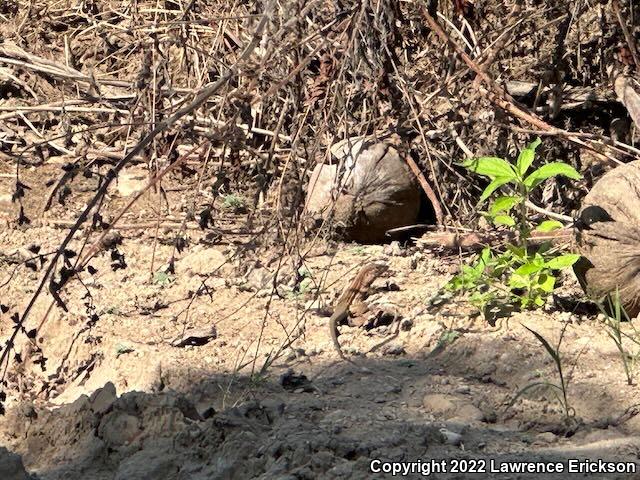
x: 378, y: 267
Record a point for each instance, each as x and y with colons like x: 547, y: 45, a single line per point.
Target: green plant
x: 558, y: 389
x: 162, y: 278
x: 233, y: 202
x: 615, y: 314
x: 519, y: 275
x: 123, y: 349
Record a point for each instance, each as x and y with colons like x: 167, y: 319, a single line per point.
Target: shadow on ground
x: 330, y: 422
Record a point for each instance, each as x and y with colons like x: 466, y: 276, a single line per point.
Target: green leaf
x: 544, y: 247
x: 525, y: 159
x: 486, y: 256
x: 161, y: 278
x: 516, y: 251
x: 550, y: 350
x: 492, y: 167
x: 493, y: 186
x: 549, y: 225
x: 504, y: 220
x: 504, y: 204
x: 546, y: 283
x: 563, y: 261
x: 528, y: 269
x: 519, y: 281
x: 551, y: 170
x: 478, y: 268
x: 538, y: 259
x: 538, y: 300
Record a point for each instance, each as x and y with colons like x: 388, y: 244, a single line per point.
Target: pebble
x: 406, y: 325
x: 394, y: 349
x: 450, y: 407
x: 546, y: 437
x: 393, y: 249
x: 450, y: 438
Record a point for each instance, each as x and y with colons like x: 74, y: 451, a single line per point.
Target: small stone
x: 393, y: 249
x: 394, y: 349
x: 546, y: 437
x: 452, y: 408
x: 464, y: 389
x: 450, y: 438
x: 406, y: 325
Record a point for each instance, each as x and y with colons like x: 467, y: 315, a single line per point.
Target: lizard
x: 357, y: 291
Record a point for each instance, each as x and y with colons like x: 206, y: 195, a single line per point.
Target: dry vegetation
x: 154, y: 161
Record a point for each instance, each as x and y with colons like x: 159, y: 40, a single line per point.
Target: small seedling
x: 234, y: 203
x: 558, y: 389
x: 123, y: 349
x: 615, y: 314
x: 518, y: 276
x: 162, y: 278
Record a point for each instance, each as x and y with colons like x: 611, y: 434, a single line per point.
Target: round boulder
x: 608, y: 237
x: 368, y: 191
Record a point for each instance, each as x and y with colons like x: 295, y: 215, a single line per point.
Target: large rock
x: 369, y: 191
x: 608, y: 236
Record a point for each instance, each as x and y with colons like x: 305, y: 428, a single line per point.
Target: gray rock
x: 11, y: 467
x: 103, y: 398
x: 464, y: 389
x: 393, y: 349
x: 450, y: 438
x: 546, y: 437
x: 150, y: 463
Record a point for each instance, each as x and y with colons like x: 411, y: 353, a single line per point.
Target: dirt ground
x: 122, y: 398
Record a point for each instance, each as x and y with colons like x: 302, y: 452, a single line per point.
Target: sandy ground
x: 122, y: 398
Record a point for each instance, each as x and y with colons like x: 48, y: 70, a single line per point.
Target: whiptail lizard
x: 357, y: 290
